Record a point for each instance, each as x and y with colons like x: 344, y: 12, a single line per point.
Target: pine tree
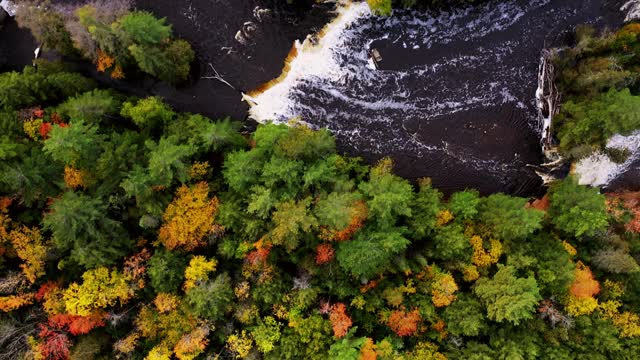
x: 80, y: 225
x: 508, y: 297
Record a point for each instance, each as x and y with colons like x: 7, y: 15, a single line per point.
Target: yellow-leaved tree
x: 198, y: 271
x: 189, y: 218
x: 32, y: 249
x: 100, y: 288
x: 443, y: 289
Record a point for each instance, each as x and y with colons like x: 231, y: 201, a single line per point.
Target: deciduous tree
x: 405, y: 323
x: 100, y: 289
x: 340, y: 320
x: 189, y: 218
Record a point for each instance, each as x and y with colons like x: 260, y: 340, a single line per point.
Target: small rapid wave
x: 632, y: 8
x: 598, y: 169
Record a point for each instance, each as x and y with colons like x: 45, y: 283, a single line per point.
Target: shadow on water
x: 16, y: 46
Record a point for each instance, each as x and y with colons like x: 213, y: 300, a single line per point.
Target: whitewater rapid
x: 455, y: 93
x: 598, y: 169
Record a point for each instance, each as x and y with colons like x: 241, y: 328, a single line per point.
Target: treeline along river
x: 452, y: 99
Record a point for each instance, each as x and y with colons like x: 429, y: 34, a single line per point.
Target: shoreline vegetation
x: 129, y: 230
x: 118, y: 41
x: 598, y: 79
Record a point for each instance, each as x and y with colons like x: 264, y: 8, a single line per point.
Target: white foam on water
x: 632, y: 8
x: 9, y: 6
x: 598, y: 169
x: 312, y: 61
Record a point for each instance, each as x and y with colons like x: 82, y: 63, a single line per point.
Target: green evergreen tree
x: 508, y: 297
x: 371, y: 253
x: 91, y: 107
x: 140, y: 27
x: 166, y: 271
x: 465, y: 317
x: 508, y: 218
x: 213, y: 299
x: 77, y: 145
x: 577, y: 210
x: 81, y: 226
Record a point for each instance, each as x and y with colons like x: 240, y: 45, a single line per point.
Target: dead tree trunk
x: 547, y: 98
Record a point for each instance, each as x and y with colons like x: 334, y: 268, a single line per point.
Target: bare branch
x: 217, y: 76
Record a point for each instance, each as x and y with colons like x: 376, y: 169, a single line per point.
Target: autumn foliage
x: 324, y: 254
x: 13, y: 302
x: 74, y: 178
x: 189, y: 218
x: 481, y: 257
x: 55, y: 344
x: 165, y: 302
x: 358, y: 213
x: 100, y: 288
x: 581, y: 299
x: 45, y: 127
x: 368, y: 350
x: 340, y: 321
x: 104, y: 61
x: 629, y: 201
x: 404, y: 323
x: 584, y: 285
x: 77, y: 325
x: 192, y: 344
x: 54, y: 334
x: 259, y: 256
x: 443, y: 289
x: 198, y: 271
x: 135, y: 267
x: 32, y: 249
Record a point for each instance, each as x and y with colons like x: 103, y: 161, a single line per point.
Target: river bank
x: 454, y: 98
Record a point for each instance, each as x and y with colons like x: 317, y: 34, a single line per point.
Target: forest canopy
x: 119, y: 41
x: 598, y: 81
x: 130, y: 230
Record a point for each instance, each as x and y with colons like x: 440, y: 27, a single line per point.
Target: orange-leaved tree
x: 404, y: 323
x: 580, y: 300
x: 340, y: 321
x: 584, y: 285
x: 324, y: 253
